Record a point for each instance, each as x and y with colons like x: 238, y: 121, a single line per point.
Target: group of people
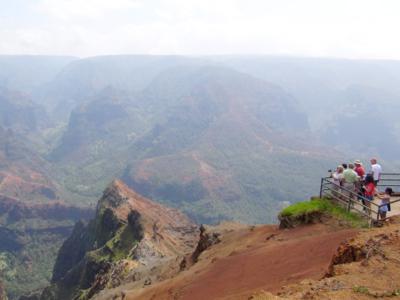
x: 356, y: 181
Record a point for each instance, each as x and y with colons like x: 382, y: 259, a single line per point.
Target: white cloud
x: 69, y: 9
x: 347, y: 28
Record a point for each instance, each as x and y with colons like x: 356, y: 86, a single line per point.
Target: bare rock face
x: 131, y: 239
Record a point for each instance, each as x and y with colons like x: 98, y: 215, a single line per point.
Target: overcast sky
x: 340, y: 28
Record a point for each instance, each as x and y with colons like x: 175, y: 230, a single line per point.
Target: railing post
x: 320, y: 189
x: 349, y: 204
x: 377, y: 213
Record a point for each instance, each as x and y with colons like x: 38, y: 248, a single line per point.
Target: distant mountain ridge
x: 18, y: 112
x: 28, y: 73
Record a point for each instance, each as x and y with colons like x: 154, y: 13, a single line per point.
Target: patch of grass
x: 304, y: 207
x: 324, y: 206
x: 396, y: 292
x: 376, y: 294
x: 361, y: 290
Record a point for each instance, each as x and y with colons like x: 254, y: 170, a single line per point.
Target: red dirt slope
x: 252, y: 259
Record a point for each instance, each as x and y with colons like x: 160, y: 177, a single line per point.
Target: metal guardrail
x: 389, y: 180
x: 350, y: 199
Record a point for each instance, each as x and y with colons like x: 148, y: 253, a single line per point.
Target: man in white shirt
x: 376, y: 170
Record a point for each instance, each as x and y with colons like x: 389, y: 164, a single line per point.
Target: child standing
x: 385, y: 202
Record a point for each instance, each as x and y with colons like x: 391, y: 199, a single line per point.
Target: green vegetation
x: 361, y: 290
x: 31, y: 268
x: 375, y: 294
x: 122, y: 243
x: 117, y: 248
x: 324, y: 206
x: 28, y: 267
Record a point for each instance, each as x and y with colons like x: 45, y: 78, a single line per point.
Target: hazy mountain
x: 23, y: 173
x: 190, y: 139
x: 366, y: 121
x: 316, y: 82
x: 82, y: 79
x: 26, y: 73
x: 338, y: 94
x: 20, y: 113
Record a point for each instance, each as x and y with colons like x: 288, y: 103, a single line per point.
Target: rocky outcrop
x: 130, y: 239
x: 352, y: 251
x: 302, y: 219
x: 208, y: 238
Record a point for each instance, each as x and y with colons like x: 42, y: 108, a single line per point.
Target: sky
x: 327, y: 28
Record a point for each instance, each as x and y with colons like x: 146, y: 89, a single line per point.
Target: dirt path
x: 250, y: 260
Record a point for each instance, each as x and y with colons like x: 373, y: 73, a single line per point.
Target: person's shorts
x: 369, y: 198
x: 384, y: 208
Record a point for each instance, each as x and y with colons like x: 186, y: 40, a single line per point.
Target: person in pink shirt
x: 370, y: 191
x: 359, y: 169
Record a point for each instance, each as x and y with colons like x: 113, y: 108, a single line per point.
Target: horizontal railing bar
x: 383, y: 174
x: 351, y: 199
x: 390, y: 202
x: 389, y: 179
x: 350, y: 191
x: 356, y: 201
x: 366, y: 213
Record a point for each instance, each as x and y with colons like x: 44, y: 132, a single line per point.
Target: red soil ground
x: 253, y: 259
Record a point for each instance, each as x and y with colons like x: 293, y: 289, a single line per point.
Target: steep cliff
x: 130, y: 239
